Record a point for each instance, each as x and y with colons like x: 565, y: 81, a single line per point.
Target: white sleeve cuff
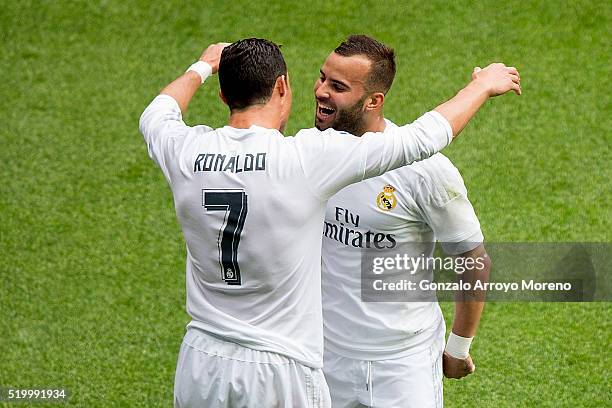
x: 165, y: 98
x: 445, y: 123
x: 456, y: 247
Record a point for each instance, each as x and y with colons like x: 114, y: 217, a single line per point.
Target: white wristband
x: 202, y: 68
x: 457, y: 346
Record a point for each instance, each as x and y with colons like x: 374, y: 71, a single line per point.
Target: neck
x: 374, y: 123
x: 377, y: 125
x: 260, y: 115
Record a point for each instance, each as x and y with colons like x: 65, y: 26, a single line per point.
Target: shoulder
x: 305, y: 133
x: 328, y: 140
x: 437, y: 167
x: 314, y: 132
x: 201, y: 129
x: 434, y: 180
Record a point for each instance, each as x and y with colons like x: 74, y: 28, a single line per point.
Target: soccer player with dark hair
x: 251, y: 205
x: 374, y: 83
x: 389, y: 354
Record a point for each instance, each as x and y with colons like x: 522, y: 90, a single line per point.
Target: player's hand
x: 457, y: 367
x: 498, y: 79
x: 212, y: 55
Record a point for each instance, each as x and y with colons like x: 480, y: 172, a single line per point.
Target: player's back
x: 243, y: 191
x: 252, y: 229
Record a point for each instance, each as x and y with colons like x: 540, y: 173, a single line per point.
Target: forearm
x: 183, y: 88
x: 460, y: 109
x: 467, y: 318
x: 469, y: 304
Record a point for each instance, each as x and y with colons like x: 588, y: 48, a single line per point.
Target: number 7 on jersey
x: 233, y: 202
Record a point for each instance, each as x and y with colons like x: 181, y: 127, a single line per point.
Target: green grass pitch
x: 91, y: 256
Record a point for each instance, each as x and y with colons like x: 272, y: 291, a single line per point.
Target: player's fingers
x: 513, y: 71
x: 470, y: 368
x: 516, y: 88
x: 515, y: 78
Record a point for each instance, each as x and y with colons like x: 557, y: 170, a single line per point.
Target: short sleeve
x: 443, y: 201
x: 164, y: 131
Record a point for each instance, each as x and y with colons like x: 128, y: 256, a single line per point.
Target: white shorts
x: 413, y: 381
x: 214, y: 373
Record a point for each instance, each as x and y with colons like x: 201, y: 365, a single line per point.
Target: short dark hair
x: 382, y: 58
x: 248, y: 70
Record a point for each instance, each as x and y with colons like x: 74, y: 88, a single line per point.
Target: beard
x: 349, y: 119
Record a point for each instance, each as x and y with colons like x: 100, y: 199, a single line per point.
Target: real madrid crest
x: 386, y: 200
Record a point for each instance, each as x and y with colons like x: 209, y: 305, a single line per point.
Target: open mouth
x: 324, y: 111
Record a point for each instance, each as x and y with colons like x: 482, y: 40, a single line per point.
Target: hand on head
x: 212, y: 55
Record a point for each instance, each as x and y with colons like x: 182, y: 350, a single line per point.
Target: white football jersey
x: 251, y: 205
x: 420, y: 203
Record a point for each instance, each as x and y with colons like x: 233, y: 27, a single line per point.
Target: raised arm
x: 496, y: 79
x: 161, y: 123
x: 378, y: 153
x: 184, y: 87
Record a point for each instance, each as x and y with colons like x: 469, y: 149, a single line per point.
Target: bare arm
x: 496, y: 79
x: 468, y: 310
x: 184, y: 87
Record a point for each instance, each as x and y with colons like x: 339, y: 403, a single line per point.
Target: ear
x: 222, y: 97
x: 375, y: 101
x: 282, y: 84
